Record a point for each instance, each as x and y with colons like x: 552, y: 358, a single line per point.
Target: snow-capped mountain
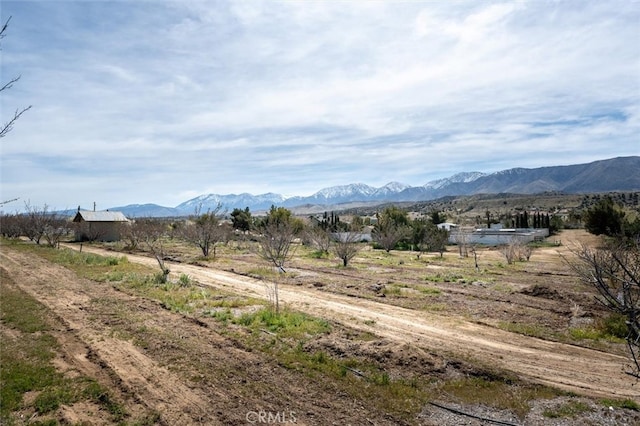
x: 344, y: 192
x: 616, y: 174
x: 464, y: 177
x: 229, y: 202
x: 391, y: 188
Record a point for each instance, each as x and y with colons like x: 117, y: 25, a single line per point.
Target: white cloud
x: 292, y: 97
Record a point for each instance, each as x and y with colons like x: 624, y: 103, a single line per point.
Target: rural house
x: 98, y: 225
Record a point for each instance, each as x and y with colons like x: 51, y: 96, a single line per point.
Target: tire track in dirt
x: 151, y: 384
x: 572, y: 368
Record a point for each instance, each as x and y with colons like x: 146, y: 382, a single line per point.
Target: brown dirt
x: 572, y: 368
x: 154, y: 375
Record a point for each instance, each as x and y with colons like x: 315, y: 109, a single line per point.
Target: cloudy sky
x: 159, y: 101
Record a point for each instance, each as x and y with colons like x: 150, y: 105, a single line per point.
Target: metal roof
x: 100, y: 216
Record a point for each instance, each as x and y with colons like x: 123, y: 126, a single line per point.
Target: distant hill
x: 147, y: 210
x: 616, y: 174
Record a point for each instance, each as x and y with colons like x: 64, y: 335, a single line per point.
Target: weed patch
x: 430, y: 291
x: 569, y: 409
x: 287, y: 323
x: 26, y: 361
x: 495, y: 391
x: 533, y: 330
x: 621, y: 403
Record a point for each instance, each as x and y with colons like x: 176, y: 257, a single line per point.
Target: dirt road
x: 572, y: 368
x: 183, y: 372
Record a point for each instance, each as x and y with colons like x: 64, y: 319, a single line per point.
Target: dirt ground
x: 422, y: 334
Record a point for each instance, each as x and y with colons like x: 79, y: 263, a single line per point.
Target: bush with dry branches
x: 614, y: 271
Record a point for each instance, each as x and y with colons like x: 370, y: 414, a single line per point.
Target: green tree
x: 419, y: 228
x: 605, y: 217
x: 437, y: 239
x: 392, y: 227
x: 555, y: 224
x: 278, y: 215
x: 437, y: 217
x: 241, y: 219
x: 426, y: 236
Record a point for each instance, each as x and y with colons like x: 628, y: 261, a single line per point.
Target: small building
x: 447, y: 226
x: 99, y: 225
x: 496, y: 237
x: 356, y: 237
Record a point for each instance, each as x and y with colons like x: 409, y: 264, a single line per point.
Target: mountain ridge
x: 615, y: 174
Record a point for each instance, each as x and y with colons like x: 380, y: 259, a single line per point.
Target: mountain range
x: 616, y: 174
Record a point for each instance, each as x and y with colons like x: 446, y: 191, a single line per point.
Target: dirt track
x: 584, y: 371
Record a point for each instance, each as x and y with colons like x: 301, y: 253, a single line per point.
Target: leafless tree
x: 346, y: 245
x: 276, y: 242
x: 206, y: 230
x: 36, y: 221
x: 461, y: 237
x: 319, y: 237
x: 11, y: 225
x: 56, y: 228
x: 388, y: 235
x: 7, y: 126
x: 153, y: 234
x: 132, y: 233
x: 615, y: 273
x: 275, y: 246
x: 516, y: 251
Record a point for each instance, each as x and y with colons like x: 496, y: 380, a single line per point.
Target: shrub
x: 184, y: 280
x: 615, y: 325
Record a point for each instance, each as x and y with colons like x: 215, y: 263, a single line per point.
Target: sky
x: 157, y: 101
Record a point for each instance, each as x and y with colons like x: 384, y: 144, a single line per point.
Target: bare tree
x: 275, y: 245
x: 319, y: 236
x: 153, y: 234
x: 11, y: 225
x: 7, y: 126
x: 615, y: 273
x: 389, y: 234
x: 132, y: 233
x: 55, y: 229
x: 346, y: 245
x: 516, y: 251
x: 461, y: 237
x: 276, y: 242
x: 36, y: 221
x: 205, y: 230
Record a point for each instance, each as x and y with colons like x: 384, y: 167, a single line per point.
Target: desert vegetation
x: 272, y: 305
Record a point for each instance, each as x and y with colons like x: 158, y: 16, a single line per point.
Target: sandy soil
x: 572, y: 368
x: 155, y: 375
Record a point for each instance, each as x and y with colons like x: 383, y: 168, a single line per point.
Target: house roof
x: 100, y: 216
